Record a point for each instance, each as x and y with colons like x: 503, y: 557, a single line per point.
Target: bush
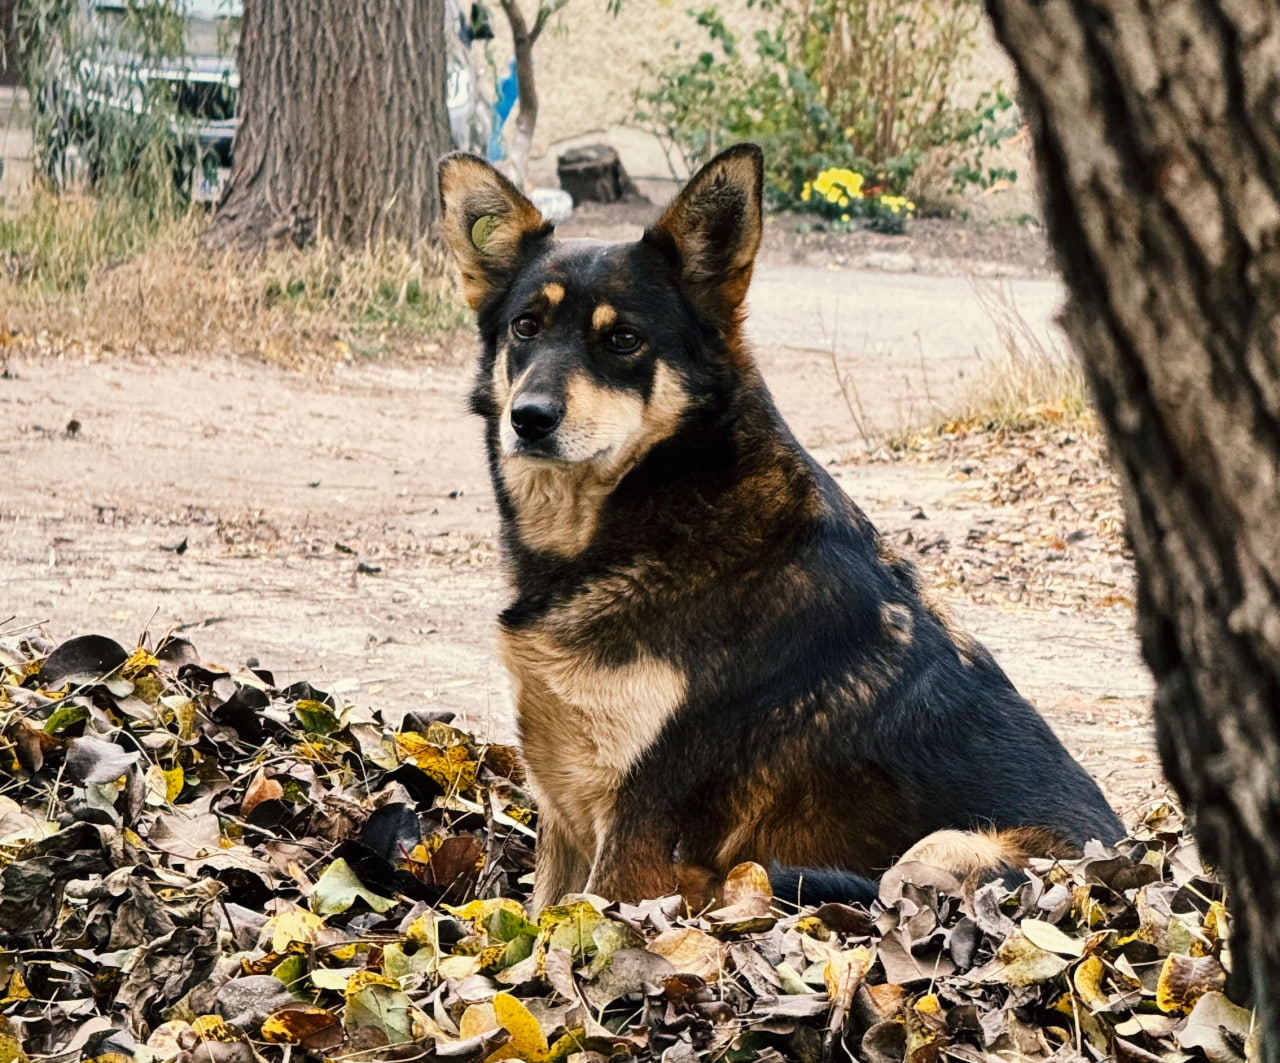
x: 91, y: 76
x: 867, y: 86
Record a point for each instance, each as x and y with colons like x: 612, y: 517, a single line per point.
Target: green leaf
x: 316, y: 717
x: 338, y: 889
x: 64, y: 717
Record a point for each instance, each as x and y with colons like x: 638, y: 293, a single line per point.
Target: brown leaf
x: 260, y: 789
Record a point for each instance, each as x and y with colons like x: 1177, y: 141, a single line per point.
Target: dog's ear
x: 486, y: 224
x: 712, y: 230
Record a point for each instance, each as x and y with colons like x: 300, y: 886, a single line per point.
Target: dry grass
x: 1027, y: 384
x: 1030, y: 380
x: 113, y: 275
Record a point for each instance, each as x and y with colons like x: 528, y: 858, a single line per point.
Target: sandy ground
x: 341, y: 529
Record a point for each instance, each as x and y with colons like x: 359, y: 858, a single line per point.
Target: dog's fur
x: 716, y: 657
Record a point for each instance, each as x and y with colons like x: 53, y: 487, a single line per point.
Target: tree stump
x: 595, y: 174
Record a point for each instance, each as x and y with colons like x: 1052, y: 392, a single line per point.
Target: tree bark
x: 1159, y: 151
x: 344, y: 118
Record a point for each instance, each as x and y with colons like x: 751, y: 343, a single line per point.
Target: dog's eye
x: 525, y: 327
x: 624, y: 341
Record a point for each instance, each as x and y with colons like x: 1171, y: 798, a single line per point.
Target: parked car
x: 121, y: 63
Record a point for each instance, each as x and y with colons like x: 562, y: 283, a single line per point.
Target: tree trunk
x: 344, y: 118
x: 1159, y: 152
x: 523, y: 38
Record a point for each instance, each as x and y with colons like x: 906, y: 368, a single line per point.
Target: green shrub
x: 93, y: 101
x: 861, y: 85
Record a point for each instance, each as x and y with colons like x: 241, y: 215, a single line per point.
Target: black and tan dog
x: 715, y: 657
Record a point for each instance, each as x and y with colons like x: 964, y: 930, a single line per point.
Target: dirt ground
x: 339, y: 527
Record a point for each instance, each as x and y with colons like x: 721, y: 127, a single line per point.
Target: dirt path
x: 342, y: 529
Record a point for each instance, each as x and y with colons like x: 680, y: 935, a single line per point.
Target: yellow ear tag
x: 483, y: 229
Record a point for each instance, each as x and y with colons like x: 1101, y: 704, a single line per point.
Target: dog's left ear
x: 712, y: 230
x: 487, y: 224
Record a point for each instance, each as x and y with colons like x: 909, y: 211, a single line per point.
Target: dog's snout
x: 535, y: 416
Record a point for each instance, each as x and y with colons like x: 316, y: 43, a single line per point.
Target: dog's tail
x: 967, y: 855
x: 815, y: 886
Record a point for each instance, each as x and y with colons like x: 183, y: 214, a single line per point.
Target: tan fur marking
x: 603, y: 317
x: 553, y: 293
x: 472, y: 189
x: 558, y: 504
x: 962, y: 852
x: 582, y: 726
x: 897, y: 623
x: 502, y: 373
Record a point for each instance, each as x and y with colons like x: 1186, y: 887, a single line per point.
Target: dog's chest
x: 584, y: 723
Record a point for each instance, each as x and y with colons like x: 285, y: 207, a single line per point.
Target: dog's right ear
x: 486, y: 224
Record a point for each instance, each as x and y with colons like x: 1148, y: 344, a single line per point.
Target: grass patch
x: 1030, y: 380
x: 119, y: 274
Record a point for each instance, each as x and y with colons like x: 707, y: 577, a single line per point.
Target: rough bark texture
x: 1158, y: 145
x: 343, y: 120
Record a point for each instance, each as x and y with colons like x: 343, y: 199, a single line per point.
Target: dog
x: 715, y: 656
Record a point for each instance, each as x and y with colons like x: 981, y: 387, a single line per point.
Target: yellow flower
x: 844, y: 201
x: 844, y: 217
x: 806, y: 191
x: 833, y: 195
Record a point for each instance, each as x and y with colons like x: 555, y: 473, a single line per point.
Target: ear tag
x: 483, y: 229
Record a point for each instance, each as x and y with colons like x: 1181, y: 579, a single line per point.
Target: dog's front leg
x: 560, y: 866
x: 637, y: 861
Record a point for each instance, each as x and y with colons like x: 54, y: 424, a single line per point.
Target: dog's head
x: 595, y: 352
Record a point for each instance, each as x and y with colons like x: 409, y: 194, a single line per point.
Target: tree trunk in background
x: 523, y: 38
x: 344, y: 118
x: 1158, y: 147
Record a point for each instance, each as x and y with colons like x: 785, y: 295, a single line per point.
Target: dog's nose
x: 534, y: 416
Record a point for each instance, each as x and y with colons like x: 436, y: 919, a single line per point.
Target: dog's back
x: 715, y: 657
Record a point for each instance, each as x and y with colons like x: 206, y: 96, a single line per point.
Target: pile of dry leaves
x: 199, y: 865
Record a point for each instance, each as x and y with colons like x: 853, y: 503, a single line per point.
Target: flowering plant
x: 842, y: 195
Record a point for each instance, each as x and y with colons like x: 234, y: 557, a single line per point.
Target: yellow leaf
x: 746, y: 882
x: 174, y: 781
x: 690, y: 951
x: 293, y: 1026
x: 333, y: 978
x: 1087, y: 979
x: 17, y: 989
x: 929, y: 1005
x: 845, y: 971
x: 422, y: 931
x: 140, y: 660
x: 477, y: 1019
x: 214, y: 1028
x: 297, y: 924
x: 812, y: 926
x: 479, y: 911
x: 452, y: 766
x: 527, y: 1039
x: 364, y: 977
x: 1185, y: 979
